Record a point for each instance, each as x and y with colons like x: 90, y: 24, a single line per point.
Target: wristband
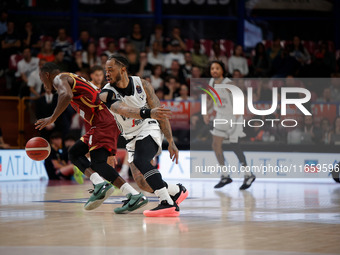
x: 145, y: 113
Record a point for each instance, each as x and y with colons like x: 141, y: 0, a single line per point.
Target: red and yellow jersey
x: 85, y: 99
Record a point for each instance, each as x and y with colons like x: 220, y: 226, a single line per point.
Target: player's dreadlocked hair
x: 120, y: 60
x: 49, y: 67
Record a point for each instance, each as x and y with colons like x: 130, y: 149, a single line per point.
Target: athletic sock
x: 96, y: 179
x: 173, y: 189
x: 163, y: 194
x: 127, y: 189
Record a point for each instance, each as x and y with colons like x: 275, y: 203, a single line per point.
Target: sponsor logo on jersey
x: 139, y: 89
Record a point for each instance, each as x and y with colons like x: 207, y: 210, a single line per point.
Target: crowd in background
x: 168, y: 61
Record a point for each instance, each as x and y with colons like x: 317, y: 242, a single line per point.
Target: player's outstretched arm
x: 62, y: 84
x: 154, y: 102
x: 123, y: 109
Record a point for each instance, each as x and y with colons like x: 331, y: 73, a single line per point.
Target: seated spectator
x: 157, y: 36
x: 335, y: 87
x: 57, y: 164
x: 60, y: 60
x: 31, y: 39
x: 3, y: 145
x: 218, y: 55
x: 3, y: 22
x: 103, y: 60
x: 176, y: 36
x: 327, y: 57
x: 77, y: 63
x: 111, y: 49
x: 237, y: 61
x: 83, y: 41
x: 144, y: 67
x: 34, y: 83
x: 284, y: 65
x: 255, y: 134
x: 275, y: 50
x: 183, y: 94
x: 156, y: 79
x: 64, y: 43
x: 90, y: 55
x: 187, y: 67
x: 261, y: 63
x: 171, y: 88
x: 310, y: 133
x: 299, y: 52
x: 335, y: 136
x: 155, y: 56
x: 176, y: 71
x: 137, y: 38
x: 132, y: 56
x: 294, y: 136
x: 196, y: 72
x: 97, y: 76
x: 160, y: 93
x: 174, y: 54
x: 199, y: 59
x: 325, y: 131
x: 326, y: 96
x: 46, y: 51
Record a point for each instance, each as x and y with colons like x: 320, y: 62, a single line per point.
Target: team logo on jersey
x: 139, y: 89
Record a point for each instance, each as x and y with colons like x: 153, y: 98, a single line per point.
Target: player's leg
x: 217, y: 147
x: 249, y: 177
x: 145, y: 150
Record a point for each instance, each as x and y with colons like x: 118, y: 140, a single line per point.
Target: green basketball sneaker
x: 78, y: 175
x: 132, y: 203
x: 100, y: 193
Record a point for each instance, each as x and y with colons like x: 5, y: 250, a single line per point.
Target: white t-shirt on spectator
x: 239, y: 63
x: 27, y: 67
x: 155, y: 60
x: 34, y: 81
x: 156, y: 82
x: 171, y: 57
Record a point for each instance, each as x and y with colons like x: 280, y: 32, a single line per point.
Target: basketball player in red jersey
x: 100, y: 140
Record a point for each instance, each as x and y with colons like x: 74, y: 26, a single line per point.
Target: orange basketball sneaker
x: 181, y: 195
x: 164, y: 209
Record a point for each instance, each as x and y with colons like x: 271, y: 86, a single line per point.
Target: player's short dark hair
x: 219, y: 63
x: 49, y: 67
x: 120, y: 60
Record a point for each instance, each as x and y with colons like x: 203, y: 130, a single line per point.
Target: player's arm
x: 164, y: 123
x: 121, y: 108
x: 62, y: 85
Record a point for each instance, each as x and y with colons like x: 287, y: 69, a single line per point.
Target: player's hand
x: 160, y: 113
x: 173, y: 152
x: 40, y: 124
x: 112, y: 161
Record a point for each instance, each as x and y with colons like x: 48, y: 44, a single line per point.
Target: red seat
x: 13, y: 62
x: 227, y: 47
x: 190, y: 44
x: 206, y: 45
x: 102, y: 44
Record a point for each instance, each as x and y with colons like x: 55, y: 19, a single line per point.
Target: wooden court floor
x: 285, y: 218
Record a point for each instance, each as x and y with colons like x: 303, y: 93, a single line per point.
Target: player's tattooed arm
x: 121, y: 108
x: 164, y: 123
x: 62, y: 83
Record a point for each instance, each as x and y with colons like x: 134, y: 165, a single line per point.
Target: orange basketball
x: 37, y: 148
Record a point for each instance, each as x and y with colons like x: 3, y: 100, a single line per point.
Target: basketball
x: 37, y: 148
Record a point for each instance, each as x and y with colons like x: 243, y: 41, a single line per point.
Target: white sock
x: 96, y: 178
x: 163, y: 194
x: 127, y: 188
x: 125, y: 169
x: 173, y: 189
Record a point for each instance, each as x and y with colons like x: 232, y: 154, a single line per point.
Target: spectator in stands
x: 3, y: 145
x: 60, y: 60
x: 83, y: 41
x: 237, y: 74
x: 176, y: 71
x: 284, y: 65
x: 174, y: 54
x: 196, y: 72
x: 31, y: 38
x: 132, y: 56
x: 46, y: 51
x: 78, y: 64
x: 103, y: 58
x: 111, y: 48
x: 90, y: 55
x: 155, y: 56
x: 299, y: 52
x: 261, y: 63
x: 326, y: 96
x: 144, y: 67
x: 3, y: 22
x: 160, y: 93
x: 183, y: 94
x: 34, y: 83
x: 157, y: 36
x: 327, y: 57
x: 10, y: 44
x: 171, y: 88
x: 218, y: 55
x: 187, y: 67
x: 275, y: 50
x: 237, y: 61
x: 335, y: 87
x: 310, y: 133
x: 156, y: 79
x: 25, y: 67
x: 97, y: 76
x: 64, y: 43
x: 335, y: 136
x: 176, y: 36
x: 137, y: 38
x: 255, y: 134
x: 325, y: 126
x: 57, y: 164
x: 199, y: 59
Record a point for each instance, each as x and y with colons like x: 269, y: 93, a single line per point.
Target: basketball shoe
x: 132, y: 203
x: 181, y: 195
x: 100, y: 193
x: 164, y: 209
x: 224, y: 181
x: 248, y: 180
x: 78, y: 175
